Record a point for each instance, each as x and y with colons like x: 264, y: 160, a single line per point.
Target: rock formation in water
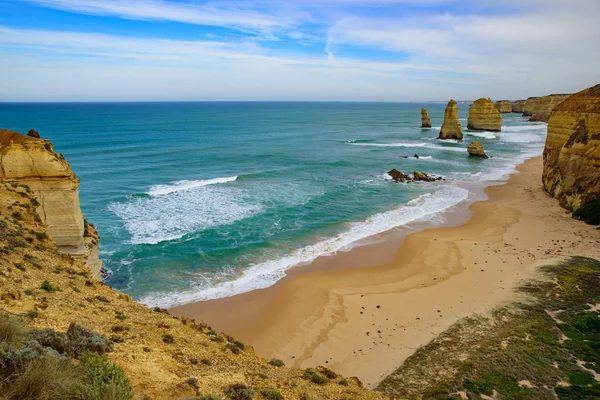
x: 425, y: 120
x: 529, y: 106
x: 504, y: 106
x: 31, y: 161
x: 483, y: 115
x: 572, y: 151
x: 518, y: 106
x: 543, y: 106
x: 476, y: 149
x: 451, y: 128
x: 399, y: 176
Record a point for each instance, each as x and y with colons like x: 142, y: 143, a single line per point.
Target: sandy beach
x: 363, y: 312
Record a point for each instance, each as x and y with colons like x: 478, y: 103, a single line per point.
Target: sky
x: 296, y: 50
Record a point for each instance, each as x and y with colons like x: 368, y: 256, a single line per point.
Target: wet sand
x: 364, y: 311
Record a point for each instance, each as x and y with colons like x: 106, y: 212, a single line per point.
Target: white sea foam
x: 408, y: 144
x: 161, y: 190
x: 483, y: 134
x: 174, y: 214
x: 267, y: 273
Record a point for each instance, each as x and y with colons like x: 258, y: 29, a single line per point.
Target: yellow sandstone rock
x: 543, y: 106
x: 425, y: 120
x: 451, y: 128
x: 518, y: 106
x: 572, y: 150
x: 31, y: 161
x: 504, y: 106
x: 484, y: 116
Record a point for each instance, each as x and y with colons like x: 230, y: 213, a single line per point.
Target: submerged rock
x: 425, y: 120
x: 475, y: 149
x: 451, y: 128
x: 504, y: 106
x: 572, y: 152
x: 399, y: 176
x: 484, y: 116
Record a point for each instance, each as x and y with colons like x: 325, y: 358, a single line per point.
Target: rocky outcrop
x: 484, y: 116
x: 572, y: 151
x: 425, y: 120
x: 33, y: 133
x: 518, y: 106
x: 504, y: 106
x: 529, y: 106
x: 451, y: 128
x: 476, y: 149
x: 543, y: 106
x: 30, y: 161
x: 399, y: 176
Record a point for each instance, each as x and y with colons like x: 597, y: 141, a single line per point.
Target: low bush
x: 12, y: 330
x: 240, y: 391
x: 589, y: 212
x: 313, y: 376
x: 271, y: 394
x: 276, y: 362
x: 104, y: 379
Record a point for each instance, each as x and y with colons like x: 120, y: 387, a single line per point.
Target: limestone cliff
x: 164, y: 357
x: 451, y: 128
x: 504, y: 106
x: 425, y: 120
x: 483, y: 115
x: 518, y: 106
x: 543, y: 106
x: 529, y: 106
x: 572, y: 150
x: 31, y: 161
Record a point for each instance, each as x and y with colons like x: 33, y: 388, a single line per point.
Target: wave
x: 265, y: 274
x: 161, y: 190
x: 400, y: 144
x: 482, y: 134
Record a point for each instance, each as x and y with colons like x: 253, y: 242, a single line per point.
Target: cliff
x: 504, y: 106
x: 543, y: 106
x: 483, y: 115
x: 572, y: 151
x: 32, y: 161
x: 164, y: 357
x: 518, y: 106
x: 425, y: 120
x: 451, y: 128
x: 529, y: 105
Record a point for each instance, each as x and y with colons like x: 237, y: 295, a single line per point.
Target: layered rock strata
x: 31, y: 161
x: 451, y: 128
x: 529, y: 106
x: 504, y: 106
x: 483, y: 115
x: 518, y: 106
x: 572, y: 151
x: 543, y: 106
x: 425, y: 120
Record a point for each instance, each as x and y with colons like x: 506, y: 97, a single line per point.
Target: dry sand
x: 363, y: 312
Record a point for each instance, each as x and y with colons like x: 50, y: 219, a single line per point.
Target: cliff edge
x: 572, y: 151
x: 32, y: 161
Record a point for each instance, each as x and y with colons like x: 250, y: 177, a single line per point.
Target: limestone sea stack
x: 529, y: 106
x: 504, y: 106
x: 572, y: 151
x: 425, y: 120
x: 517, y: 106
x: 30, y: 161
x: 483, y: 115
x: 476, y: 149
x: 451, y: 128
x: 543, y: 106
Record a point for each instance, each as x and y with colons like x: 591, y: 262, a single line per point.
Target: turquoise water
x: 204, y: 200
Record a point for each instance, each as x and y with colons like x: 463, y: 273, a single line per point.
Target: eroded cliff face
x: 451, y: 128
x: 504, y: 106
x: 529, y: 105
x: 543, y: 106
x: 572, y: 151
x: 483, y: 115
x: 518, y: 106
x: 32, y: 161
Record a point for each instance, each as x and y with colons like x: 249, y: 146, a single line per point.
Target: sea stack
x: 451, y: 128
x: 529, y: 106
x: 476, y: 149
x: 483, y: 115
x: 30, y: 161
x: 518, y: 105
x: 425, y: 120
x: 504, y: 106
x: 572, y: 150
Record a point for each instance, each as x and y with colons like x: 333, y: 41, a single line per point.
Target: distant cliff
x: 504, y: 106
x: 518, y: 106
x: 572, y: 150
x: 543, y: 106
x: 31, y: 161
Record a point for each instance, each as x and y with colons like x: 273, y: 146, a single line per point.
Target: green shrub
x: 120, y: 316
x: 589, y: 212
x: 271, y: 394
x: 313, y: 376
x: 327, y: 372
x: 104, y: 379
x: 167, y: 338
x: 32, y: 314
x: 48, y: 287
x: 83, y: 340
x: 12, y: 330
x: 102, y: 299
x: 235, y: 349
x: 206, y: 361
x: 276, y: 362
x: 239, y: 391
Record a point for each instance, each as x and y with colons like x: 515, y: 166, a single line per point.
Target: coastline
x: 364, y: 311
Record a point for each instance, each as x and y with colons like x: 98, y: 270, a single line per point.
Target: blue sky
x: 377, y: 50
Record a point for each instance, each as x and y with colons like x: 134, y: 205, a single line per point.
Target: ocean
x: 205, y: 200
